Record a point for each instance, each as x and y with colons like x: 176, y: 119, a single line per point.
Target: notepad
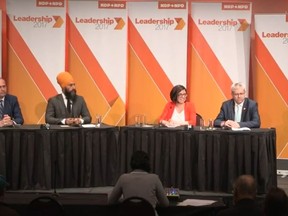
x: 196, y: 202
x: 241, y: 129
x: 88, y: 125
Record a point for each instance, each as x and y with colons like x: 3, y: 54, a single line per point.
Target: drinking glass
x: 210, y: 124
x: 98, y: 120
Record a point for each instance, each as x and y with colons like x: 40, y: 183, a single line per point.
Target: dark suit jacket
x: 249, y: 118
x: 12, y: 108
x: 246, y: 207
x: 56, y: 110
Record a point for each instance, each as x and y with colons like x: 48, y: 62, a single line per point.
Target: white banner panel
x: 41, y: 24
x: 226, y: 28
x: 163, y: 27
x: 274, y: 36
x: 104, y: 30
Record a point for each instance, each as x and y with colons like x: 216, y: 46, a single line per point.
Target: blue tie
x: 1, y: 109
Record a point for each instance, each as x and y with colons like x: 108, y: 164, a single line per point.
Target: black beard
x: 70, y: 95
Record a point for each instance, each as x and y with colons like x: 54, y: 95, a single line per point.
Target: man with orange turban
x: 68, y: 107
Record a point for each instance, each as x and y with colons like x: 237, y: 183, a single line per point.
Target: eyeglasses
x: 238, y: 94
x: 182, y: 95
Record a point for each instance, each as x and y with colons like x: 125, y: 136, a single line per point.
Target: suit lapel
x: 231, y: 110
x: 62, y: 105
x: 74, y: 106
x: 244, y: 109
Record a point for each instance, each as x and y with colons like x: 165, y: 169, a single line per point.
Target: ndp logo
x: 103, y: 23
x: 40, y: 21
x: 162, y: 24
x: 226, y: 25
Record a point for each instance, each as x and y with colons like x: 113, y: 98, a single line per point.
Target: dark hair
x: 244, y: 187
x: 276, y: 202
x: 140, y: 160
x: 175, y: 91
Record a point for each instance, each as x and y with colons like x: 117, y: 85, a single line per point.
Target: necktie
x: 238, y: 113
x: 1, y: 109
x: 69, y: 106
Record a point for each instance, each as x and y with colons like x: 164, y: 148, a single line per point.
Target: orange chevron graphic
x: 211, y: 61
x: 271, y: 67
x: 120, y: 23
x: 92, y: 65
x: 243, y: 24
x: 180, y: 24
x: 58, y: 22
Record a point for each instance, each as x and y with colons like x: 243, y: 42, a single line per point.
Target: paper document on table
x: 241, y: 129
x: 88, y: 125
x: 196, y: 202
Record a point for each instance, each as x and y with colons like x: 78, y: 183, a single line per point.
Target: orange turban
x: 64, y: 79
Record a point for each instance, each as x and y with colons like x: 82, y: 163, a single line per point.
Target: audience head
x: 66, y: 81
x: 238, y: 91
x: 3, y: 88
x: 276, y: 202
x: 244, y: 188
x: 178, y: 94
x: 3, y: 185
x: 140, y: 160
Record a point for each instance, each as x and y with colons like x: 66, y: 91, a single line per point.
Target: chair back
x: 136, y: 206
x: 45, y: 206
x: 198, y: 119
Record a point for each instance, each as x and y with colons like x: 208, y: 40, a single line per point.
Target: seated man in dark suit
x: 238, y: 111
x: 244, y: 194
x: 10, y: 112
x: 68, y: 107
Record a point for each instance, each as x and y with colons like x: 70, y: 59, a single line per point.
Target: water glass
x: 98, y: 120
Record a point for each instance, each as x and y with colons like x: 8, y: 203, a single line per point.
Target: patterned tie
x: 1, y: 109
x: 238, y: 113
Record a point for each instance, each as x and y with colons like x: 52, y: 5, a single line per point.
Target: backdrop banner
x: 157, y: 55
x: 219, y: 51
x: 36, y: 49
x: 98, y: 56
x: 271, y: 53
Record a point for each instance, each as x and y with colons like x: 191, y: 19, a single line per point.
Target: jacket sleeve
x: 167, y: 112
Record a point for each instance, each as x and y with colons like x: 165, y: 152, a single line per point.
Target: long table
x: 203, y: 160
x: 34, y: 158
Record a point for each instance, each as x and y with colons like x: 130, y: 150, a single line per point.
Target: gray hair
x: 238, y: 84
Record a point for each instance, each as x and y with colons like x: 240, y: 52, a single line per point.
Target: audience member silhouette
x: 244, y: 194
x: 276, y: 202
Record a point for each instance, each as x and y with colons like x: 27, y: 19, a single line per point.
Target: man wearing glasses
x: 239, y: 111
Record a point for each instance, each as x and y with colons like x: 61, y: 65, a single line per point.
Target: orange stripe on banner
x: 211, y: 61
x: 92, y: 65
x: 30, y: 62
x: 4, y: 41
x: 149, y: 61
x: 271, y: 68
